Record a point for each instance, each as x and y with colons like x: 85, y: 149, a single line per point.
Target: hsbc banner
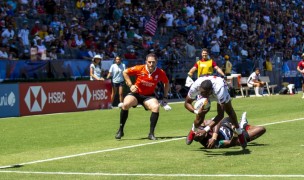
x: 55, y: 97
x: 9, y: 100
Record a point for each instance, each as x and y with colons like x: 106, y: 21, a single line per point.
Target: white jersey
x: 252, y: 77
x: 219, y: 86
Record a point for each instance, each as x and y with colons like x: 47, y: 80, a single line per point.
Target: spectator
x: 52, y: 55
x: 7, y: 34
x: 50, y: 9
x: 3, y: 52
x: 96, y: 69
x: 23, y: 36
x: 92, y: 51
x: 36, y: 28
x: 131, y: 54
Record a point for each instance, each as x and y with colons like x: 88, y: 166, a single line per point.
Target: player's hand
x: 200, y: 132
x: 101, y: 79
x: 165, y: 105
x: 211, y: 143
x: 134, y: 89
x: 202, y: 111
x: 189, y: 81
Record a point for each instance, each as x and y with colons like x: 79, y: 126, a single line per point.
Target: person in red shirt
x: 142, y: 92
x: 130, y: 55
x: 300, y: 68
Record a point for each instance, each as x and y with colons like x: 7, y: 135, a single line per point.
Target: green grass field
x: 81, y: 145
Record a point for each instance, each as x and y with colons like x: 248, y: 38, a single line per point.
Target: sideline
x: 161, y: 175
x: 116, y: 149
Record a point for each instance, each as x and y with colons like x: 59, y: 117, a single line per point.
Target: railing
x: 73, y: 69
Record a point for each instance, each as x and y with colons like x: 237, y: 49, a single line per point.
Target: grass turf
x: 27, y: 139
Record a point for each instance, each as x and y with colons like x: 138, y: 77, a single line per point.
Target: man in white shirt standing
x: 23, y: 36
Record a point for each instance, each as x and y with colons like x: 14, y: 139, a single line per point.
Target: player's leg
x: 232, y: 115
x: 152, y: 104
x: 254, y: 132
x: 303, y: 86
x: 128, y: 102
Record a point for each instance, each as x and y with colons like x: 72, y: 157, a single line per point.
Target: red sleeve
x: 196, y: 65
x: 300, y: 64
x: 213, y: 63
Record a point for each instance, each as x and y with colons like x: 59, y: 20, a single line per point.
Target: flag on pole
x: 151, y: 26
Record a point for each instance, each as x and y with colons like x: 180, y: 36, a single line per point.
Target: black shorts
x: 142, y: 98
x: 302, y: 80
x: 118, y: 84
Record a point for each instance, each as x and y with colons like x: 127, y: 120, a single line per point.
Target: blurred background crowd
x: 246, y: 30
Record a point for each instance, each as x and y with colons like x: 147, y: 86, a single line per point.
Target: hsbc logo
x: 81, y: 96
x: 35, y: 98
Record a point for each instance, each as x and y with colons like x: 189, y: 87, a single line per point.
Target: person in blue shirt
x: 118, y: 81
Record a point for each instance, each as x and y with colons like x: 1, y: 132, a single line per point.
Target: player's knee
x: 263, y: 130
x: 154, y: 107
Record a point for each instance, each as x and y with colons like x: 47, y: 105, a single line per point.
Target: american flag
x: 151, y: 26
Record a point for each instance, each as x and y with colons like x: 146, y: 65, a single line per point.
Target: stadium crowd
x: 246, y: 30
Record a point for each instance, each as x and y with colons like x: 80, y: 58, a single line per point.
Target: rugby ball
x: 203, y: 102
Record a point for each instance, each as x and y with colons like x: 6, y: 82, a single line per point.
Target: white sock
x: 238, y: 130
x: 193, y: 127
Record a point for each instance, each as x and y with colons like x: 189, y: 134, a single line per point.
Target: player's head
x: 206, y: 88
x: 257, y: 70
x: 226, y: 57
x: 204, y: 140
x: 302, y: 55
x: 151, y: 61
x: 205, y: 53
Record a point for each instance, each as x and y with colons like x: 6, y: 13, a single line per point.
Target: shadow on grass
x: 215, y: 152
x: 158, y: 138
x: 165, y: 137
x: 12, y: 166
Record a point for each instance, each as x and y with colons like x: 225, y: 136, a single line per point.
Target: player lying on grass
x: 223, y: 136
x: 208, y: 86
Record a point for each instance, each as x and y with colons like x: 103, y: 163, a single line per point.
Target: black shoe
x: 119, y: 134
x: 151, y: 137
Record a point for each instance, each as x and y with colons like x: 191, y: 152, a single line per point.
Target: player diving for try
x: 223, y: 136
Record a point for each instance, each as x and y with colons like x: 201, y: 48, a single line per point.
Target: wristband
x: 195, y: 111
x: 207, y: 128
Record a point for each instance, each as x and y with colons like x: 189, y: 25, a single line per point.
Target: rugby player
x: 206, y: 86
x: 223, y: 136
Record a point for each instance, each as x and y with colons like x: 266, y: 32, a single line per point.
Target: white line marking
x: 88, y: 153
x: 115, y: 149
x: 162, y: 175
x: 279, y: 122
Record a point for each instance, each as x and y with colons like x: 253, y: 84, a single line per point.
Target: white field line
x: 120, y: 148
x: 160, y: 175
x: 88, y: 153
